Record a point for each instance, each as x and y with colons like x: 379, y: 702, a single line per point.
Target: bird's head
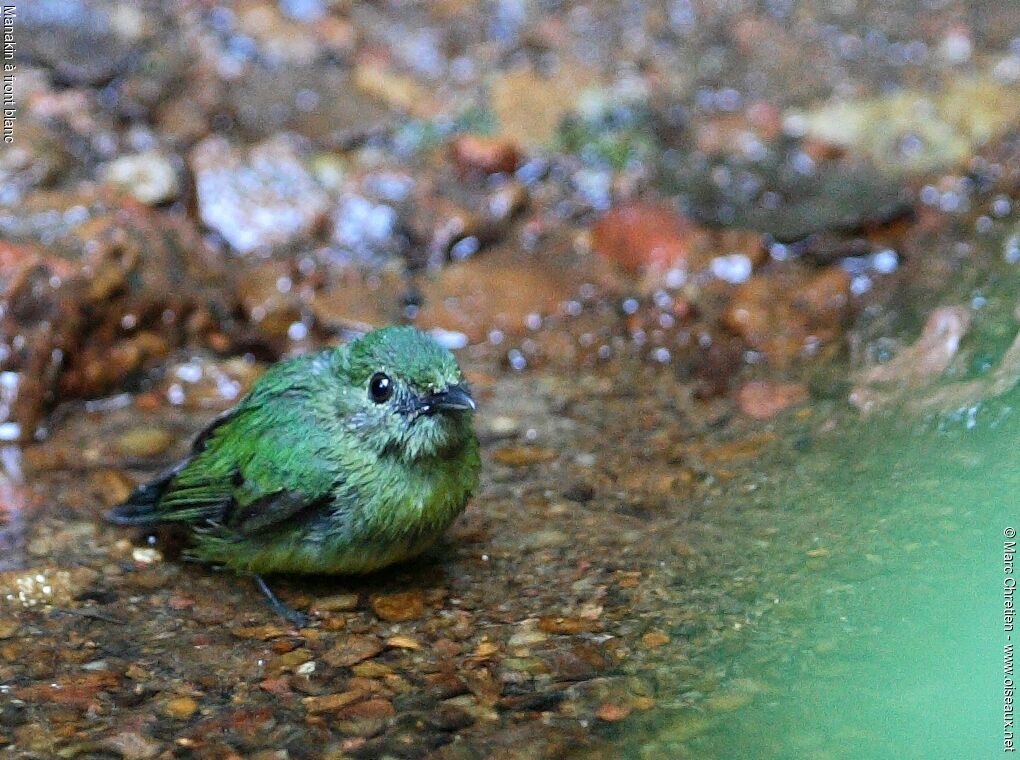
x: 405, y: 395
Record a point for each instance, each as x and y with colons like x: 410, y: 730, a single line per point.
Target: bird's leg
x: 289, y: 614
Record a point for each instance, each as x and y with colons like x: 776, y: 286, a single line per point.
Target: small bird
x: 339, y: 462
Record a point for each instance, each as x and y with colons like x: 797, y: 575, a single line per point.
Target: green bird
x: 339, y: 462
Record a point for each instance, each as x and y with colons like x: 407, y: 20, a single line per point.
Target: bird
x: 339, y: 462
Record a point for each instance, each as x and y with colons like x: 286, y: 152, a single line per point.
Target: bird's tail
x: 140, y: 508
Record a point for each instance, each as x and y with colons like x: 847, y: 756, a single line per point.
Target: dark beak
x: 454, y: 399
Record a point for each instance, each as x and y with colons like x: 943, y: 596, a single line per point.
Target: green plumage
x: 343, y: 461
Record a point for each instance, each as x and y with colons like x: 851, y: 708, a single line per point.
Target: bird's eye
x: 380, y: 387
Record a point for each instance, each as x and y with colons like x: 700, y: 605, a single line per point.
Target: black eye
x: 380, y: 387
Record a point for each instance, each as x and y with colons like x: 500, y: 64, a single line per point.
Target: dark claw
x: 292, y: 616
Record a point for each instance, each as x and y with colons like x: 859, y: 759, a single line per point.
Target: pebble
x: 399, y: 607
x: 763, y: 400
x: 180, y: 708
x: 402, y: 642
x: 485, y: 155
x: 335, y: 603
x: 144, y: 441
x: 149, y: 177
x: 565, y: 625
x: 332, y: 702
x: 523, y: 456
x: 352, y: 649
x: 655, y: 639
x: 612, y: 713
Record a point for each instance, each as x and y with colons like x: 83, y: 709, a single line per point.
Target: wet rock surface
x: 672, y: 267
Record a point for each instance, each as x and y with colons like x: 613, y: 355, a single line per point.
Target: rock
x: 612, y: 713
x: 111, y: 486
x: 763, y: 400
x: 911, y: 377
x: 836, y: 195
x: 909, y: 131
x: 399, y: 607
x: 149, y: 177
x: 180, y: 708
x: 335, y: 603
x: 114, y: 289
x: 258, y: 199
x: 402, y: 642
x: 43, y: 586
x: 269, y: 297
x: 484, y: 155
x: 491, y: 292
x: 655, y: 639
x: 646, y: 237
x: 144, y: 441
x: 529, y: 107
x: 929, y: 356
x: 332, y: 702
x: 786, y: 312
x: 82, y: 43
x: 352, y: 649
x: 524, y: 456
x: 565, y: 625
x: 398, y: 91
x: 263, y: 103
x: 353, y: 301
x: 131, y: 745
x: 369, y: 230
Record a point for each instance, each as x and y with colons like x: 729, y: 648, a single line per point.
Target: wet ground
x: 735, y: 285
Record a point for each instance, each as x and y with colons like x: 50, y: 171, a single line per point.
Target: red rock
x: 644, y: 236
x: 486, y: 155
x: 612, y: 713
x: 764, y: 400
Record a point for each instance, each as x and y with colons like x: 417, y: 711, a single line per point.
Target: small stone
x: 332, y: 702
x: 146, y: 555
x: 372, y: 709
x: 352, y: 650
x: 762, y: 400
x: 402, y: 642
x: 149, y: 177
x: 335, y: 603
x: 371, y: 669
x: 655, y: 639
x: 112, y: 486
x: 145, y: 441
x: 399, y: 607
x: 260, y: 198
x: 485, y: 649
x: 501, y: 427
x: 612, y: 713
x: 727, y: 702
x: 527, y: 638
x: 260, y: 632
x: 8, y: 628
x: 564, y: 625
x: 485, y: 155
x: 180, y: 708
x: 290, y: 660
x: 645, y: 237
x: 130, y: 745
x: 523, y: 456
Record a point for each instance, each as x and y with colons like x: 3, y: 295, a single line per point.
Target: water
x: 888, y: 642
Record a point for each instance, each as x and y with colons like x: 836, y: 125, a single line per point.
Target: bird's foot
x: 291, y: 615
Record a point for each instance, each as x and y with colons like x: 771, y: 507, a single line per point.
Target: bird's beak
x: 454, y: 399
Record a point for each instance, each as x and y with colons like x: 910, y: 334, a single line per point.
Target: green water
x: 887, y: 640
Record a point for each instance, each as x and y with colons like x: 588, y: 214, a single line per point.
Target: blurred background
x: 735, y: 281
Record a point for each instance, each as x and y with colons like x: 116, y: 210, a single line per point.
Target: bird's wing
x: 254, y: 466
